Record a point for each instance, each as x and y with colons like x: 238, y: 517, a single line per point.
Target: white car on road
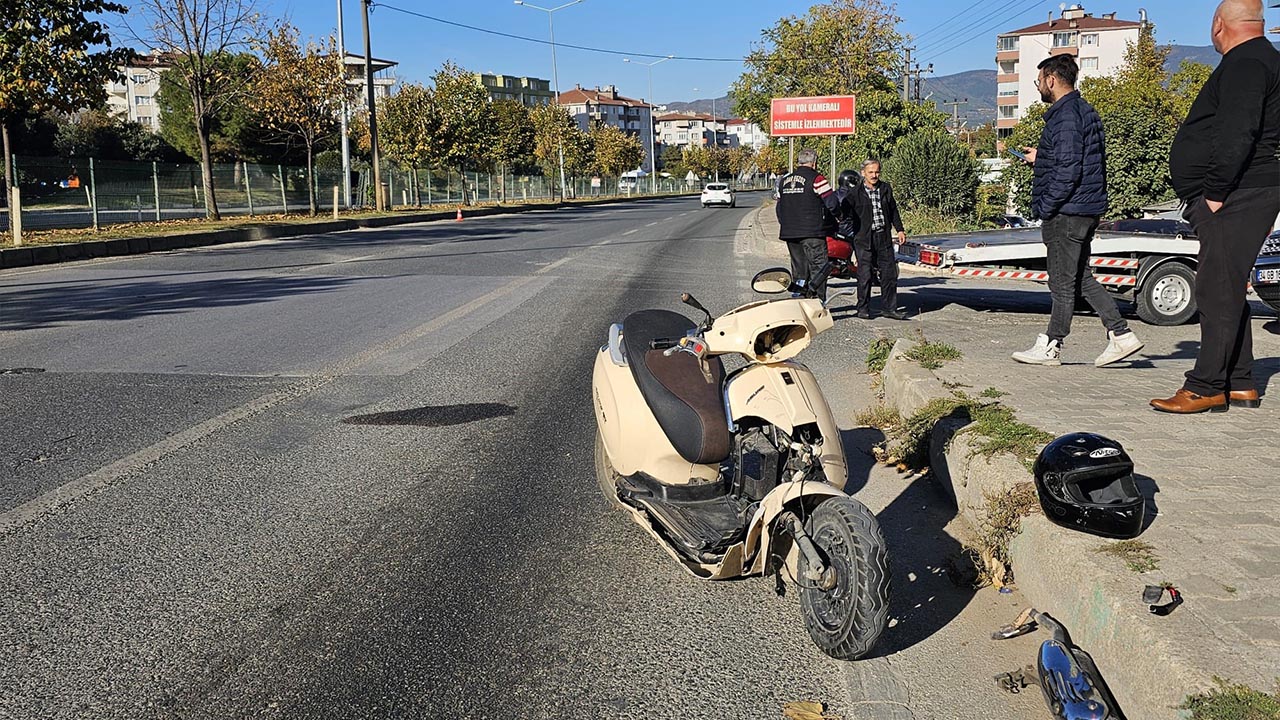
x: 718, y: 194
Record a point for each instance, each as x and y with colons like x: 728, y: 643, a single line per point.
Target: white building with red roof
x: 607, y: 106
x: 1097, y: 43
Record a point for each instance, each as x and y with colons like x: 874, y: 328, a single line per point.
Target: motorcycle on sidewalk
x: 741, y: 473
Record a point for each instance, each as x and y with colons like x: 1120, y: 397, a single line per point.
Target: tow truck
x: 1156, y: 272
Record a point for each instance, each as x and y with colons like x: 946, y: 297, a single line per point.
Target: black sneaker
x: 864, y: 314
x: 895, y: 315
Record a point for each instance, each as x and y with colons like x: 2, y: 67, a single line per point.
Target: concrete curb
x: 1149, y: 668
x: 28, y: 255
x: 764, y: 235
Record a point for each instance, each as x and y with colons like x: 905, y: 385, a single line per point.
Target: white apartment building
x: 747, y: 134
x: 1097, y: 43
x: 135, y: 98
x: 384, y: 78
x: 606, y: 105
x: 682, y: 129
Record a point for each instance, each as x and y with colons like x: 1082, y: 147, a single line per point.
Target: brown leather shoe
x: 1184, y: 402
x: 1244, y: 398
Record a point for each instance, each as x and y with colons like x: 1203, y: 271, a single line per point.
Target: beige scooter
x: 741, y: 473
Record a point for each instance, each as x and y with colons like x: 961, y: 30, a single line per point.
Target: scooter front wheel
x: 846, y: 620
x: 606, y: 476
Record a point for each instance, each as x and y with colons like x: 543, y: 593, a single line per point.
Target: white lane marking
x: 651, y: 224
x: 86, y: 485
x: 633, y: 230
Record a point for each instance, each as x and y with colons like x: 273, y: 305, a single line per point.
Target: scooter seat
x: 689, y: 410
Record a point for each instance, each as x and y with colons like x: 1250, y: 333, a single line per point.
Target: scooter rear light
x: 930, y: 257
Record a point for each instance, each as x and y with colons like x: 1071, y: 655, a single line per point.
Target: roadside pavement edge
x: 1150, y: 669
x: 29, y: 255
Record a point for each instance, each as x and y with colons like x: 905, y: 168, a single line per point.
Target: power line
x: 978, y: 27
x: 946, y: 22
x: 559, y: 44
x: 987, y: 29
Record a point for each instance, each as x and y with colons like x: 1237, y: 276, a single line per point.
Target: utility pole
x: 346, y: 143
x: 373, y: 114
x: 906, y: 78
x: 955, y: 112
x: 918, y: 72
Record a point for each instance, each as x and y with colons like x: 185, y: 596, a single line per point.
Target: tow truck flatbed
x: 1158, y: 271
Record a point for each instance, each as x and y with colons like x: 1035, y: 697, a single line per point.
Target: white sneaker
x: 1119, y: 348
x: 1044, y: 352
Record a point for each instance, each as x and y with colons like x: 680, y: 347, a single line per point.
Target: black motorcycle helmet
x: 849, y: 178
x: 1085, y: 482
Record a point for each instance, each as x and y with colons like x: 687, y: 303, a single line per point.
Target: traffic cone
x: 459, y: 216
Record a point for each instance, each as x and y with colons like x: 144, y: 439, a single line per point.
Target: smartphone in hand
x: 1017, y: 153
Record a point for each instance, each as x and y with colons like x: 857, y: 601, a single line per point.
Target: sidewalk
x: 1211, y: 480
x: 1212, y: 483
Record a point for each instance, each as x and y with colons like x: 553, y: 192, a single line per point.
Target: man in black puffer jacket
x: 1069, y: 194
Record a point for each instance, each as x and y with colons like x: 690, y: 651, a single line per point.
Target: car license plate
x: 1268, y: 275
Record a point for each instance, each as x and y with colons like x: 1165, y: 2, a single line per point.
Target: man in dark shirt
x: 1224, y: 166
x: 877, y: 211
x: 805, y: 202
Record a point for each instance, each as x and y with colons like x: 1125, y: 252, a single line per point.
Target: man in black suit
x: 877, y: 212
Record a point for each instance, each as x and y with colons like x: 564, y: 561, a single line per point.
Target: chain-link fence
x: 88, y: 193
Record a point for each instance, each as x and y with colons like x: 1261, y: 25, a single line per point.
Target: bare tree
x: 199, y: 35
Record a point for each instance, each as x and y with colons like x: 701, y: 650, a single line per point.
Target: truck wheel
x: 1168, y: 295
x: 845, y: 621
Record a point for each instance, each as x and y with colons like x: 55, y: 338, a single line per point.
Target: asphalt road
x: 350, y: 476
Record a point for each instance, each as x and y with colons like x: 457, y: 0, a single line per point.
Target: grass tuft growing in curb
x: 1001, y: 523
x: 932, y: 354
x: 992, y: 393
x: 878, y: 354
x: 1137, y: 555
x: 881, y: 417
x: 997, y: 427
x: 1231, y: 701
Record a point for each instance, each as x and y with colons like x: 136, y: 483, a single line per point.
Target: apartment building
x: 607, y: 106
x: 746, y: 134
x: 1097, y: 43
x: 529, y: 91
x: 384, y: 79
x: 682, y: 129
x: 135, y: 98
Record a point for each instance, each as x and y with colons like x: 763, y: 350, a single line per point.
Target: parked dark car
x: 1178, y: 229
x: 1266, y: 272
x: 1010, y: 221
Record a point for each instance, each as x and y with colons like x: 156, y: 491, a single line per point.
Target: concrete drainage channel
x: 1150, y: 670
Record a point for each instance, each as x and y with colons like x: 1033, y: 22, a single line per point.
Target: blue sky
x: 684, y: 28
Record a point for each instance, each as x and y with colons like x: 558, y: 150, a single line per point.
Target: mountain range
x: 976, y: 87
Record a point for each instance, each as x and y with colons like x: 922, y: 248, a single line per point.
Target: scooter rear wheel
x: 846, y: 620
x: 606, y: 476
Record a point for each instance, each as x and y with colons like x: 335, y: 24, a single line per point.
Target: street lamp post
x: 715, y: 134
x: 653, y: 159
x: 555, y: 78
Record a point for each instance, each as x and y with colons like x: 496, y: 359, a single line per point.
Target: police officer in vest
x: 805, y: 201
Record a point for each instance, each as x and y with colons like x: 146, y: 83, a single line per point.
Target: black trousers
x: 876, y: 249
x: 1230, y: 240
x: 1068, y: 240
x: 808, y: 258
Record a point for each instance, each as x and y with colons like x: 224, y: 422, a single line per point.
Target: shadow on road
x: 51, y: 306
x: 923, y: 557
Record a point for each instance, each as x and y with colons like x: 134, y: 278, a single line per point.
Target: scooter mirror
x: 771, y: 280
